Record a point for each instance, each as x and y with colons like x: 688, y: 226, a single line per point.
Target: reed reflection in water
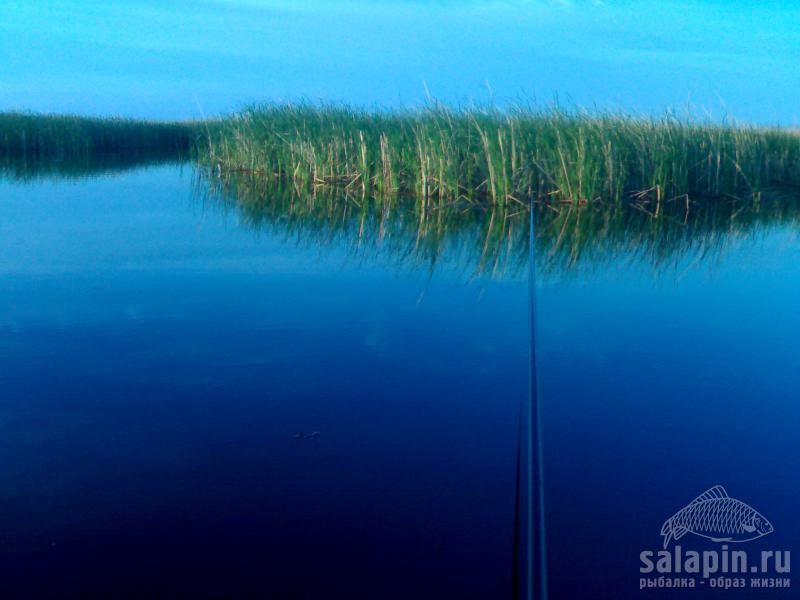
x: 483, y: 240
x: 22, y: 169
x: 494, y: 241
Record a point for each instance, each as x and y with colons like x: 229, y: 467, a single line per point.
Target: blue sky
x: 185, y: 58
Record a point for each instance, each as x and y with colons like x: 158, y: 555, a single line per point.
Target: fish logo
x: 718, y: 517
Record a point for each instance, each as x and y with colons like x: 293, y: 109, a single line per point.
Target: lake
x: 215, y: 389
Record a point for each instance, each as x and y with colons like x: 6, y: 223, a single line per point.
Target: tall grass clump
x: 442, y: 154
x: 34, y: 137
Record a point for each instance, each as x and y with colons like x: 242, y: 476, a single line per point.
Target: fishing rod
x: 529, y: 570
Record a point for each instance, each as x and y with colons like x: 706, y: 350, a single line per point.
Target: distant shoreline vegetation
x: 45, y: 137
x: 438, y: 154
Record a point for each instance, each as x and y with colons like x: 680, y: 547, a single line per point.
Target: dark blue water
x: 658, y: 383
x: 200, y: 402
x: 158, y: 359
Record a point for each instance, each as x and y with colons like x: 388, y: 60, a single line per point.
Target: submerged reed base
x: 440, y: 154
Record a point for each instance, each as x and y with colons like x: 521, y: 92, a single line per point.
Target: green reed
x: 36, y: 137
x: 440, y: 154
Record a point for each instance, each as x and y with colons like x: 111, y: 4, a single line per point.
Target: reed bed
x: 441, y: 154
x: 35, y: 137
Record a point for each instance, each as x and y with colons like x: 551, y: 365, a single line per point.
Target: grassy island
x: 438, y: 154
x: 444, y: 154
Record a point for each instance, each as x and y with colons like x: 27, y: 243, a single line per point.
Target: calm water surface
x: 162, y: 349
x: 667, y: 367
x: 159, y: 356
